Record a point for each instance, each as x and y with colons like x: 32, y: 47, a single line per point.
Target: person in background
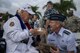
x: 63, y: 39
x: 34, y: 24
x: 49, y: 10
x: 36, y: 21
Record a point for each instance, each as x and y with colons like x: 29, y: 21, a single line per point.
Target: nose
x: 48, y: 26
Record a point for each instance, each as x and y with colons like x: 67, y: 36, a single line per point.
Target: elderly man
x: 17, y: 34
x: 62, y: 38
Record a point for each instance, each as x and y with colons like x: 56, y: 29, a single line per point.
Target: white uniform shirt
x: 64, y: 40
x: 14, y: 34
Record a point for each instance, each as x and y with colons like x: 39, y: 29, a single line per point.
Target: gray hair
x: 61, y: 23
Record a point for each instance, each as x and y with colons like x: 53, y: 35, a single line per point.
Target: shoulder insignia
x: 66, y: 32
x: 11, y: 24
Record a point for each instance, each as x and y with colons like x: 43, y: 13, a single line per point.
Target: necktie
x: 28, y: 25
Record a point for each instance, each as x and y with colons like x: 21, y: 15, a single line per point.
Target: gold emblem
x: 12, y: 24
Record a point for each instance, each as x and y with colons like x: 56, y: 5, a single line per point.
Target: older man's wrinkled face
x: 54, y: 25
x: 25, y: 15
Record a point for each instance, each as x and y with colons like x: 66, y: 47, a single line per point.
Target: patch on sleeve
x: 66, y: 32
x: 11, y: 24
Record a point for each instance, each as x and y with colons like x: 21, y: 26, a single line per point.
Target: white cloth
x: 13, y: 34
x: 27, y: 8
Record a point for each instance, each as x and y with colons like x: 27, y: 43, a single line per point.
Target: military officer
x: 61, y: 38
x: 17, y: 34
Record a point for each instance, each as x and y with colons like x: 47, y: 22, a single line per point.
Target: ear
x: 57, y: 24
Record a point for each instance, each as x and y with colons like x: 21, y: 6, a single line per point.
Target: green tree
x: 35, y: 8
x: 63, y: 6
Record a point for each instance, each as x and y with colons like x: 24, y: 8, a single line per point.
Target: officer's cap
x: 27, y: 8
x: 57, y: 17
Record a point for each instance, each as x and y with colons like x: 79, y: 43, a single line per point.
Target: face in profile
x: 25, y: 15
x: 53, y: 25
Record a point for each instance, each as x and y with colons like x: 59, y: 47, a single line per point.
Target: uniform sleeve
x: 13, y: 30
x: 17, y: 35
x: 71, y: 43
x: 48, y: 39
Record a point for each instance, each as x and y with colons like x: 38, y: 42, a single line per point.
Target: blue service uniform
x: 64, y: 40
x: 14, y: 34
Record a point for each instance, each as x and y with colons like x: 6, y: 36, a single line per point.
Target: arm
x: 13, y: 30
x: 18, y: 35
x: 37, y: 32
x: 71, y: 47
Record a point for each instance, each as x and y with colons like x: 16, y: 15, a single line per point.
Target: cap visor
x: 31, y: 12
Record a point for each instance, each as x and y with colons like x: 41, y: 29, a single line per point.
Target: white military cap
x: 27, y: 8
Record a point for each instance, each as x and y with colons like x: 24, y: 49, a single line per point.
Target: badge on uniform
x: 11, y: 24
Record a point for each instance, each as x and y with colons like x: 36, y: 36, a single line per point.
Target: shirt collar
x: 61, y: 31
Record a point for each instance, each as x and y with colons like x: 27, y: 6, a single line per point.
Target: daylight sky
x: 12, y: 5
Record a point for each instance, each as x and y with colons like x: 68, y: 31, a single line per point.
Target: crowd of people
x: 23, y: 33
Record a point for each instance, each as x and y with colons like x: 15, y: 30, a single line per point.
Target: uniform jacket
x: 64, y: 40
x: 14, y: 34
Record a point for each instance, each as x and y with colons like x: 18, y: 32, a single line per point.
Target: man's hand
x: 53, y: 51
x: 33, y: 31
x: 43, y: 32
x: 38, y: 32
